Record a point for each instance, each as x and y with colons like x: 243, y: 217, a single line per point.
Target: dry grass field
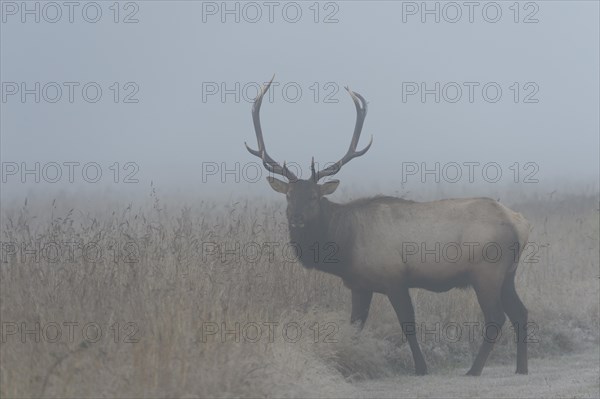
x: 159, y: 299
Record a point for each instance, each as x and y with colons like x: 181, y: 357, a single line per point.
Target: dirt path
x: 575, y: 376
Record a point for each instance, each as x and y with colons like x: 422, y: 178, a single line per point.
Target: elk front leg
x: 406, y: 316
x: 361, y: 302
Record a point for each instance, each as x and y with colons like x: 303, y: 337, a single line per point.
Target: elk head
x: 304, y: 196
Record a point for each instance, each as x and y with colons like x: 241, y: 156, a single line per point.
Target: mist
x: 177, y: 84
x: 145, y: 252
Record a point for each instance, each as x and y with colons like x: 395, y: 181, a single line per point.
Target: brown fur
x: 361, y: 242
x: 368, y: 242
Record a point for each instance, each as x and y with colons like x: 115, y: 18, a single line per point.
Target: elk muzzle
x: 296, y: 221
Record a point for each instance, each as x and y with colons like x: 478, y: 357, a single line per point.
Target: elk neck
x: 316, y: 243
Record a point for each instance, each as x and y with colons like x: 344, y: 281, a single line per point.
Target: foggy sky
x: 177, y: 128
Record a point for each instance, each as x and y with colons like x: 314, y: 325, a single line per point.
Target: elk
x: 388, y: 245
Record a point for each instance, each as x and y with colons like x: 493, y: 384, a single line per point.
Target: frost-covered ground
x: 567, y: 376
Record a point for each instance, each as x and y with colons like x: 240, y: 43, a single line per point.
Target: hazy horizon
x: 179, y: 113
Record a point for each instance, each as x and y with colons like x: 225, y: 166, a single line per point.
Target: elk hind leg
x: 517, y: 313
x: 493, y: 313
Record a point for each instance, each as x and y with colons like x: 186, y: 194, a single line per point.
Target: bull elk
x: 388, y: 245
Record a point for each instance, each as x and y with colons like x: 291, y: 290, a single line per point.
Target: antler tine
x: 361, y: 113
x: 269, y: 163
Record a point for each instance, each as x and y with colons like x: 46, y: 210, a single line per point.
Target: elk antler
x: 270, y: 164
x: 361, y: 113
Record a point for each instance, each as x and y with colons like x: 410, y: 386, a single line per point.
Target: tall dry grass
x: 164, y: 288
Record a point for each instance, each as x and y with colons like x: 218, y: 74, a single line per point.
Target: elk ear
x: 278, y: 185
x: 329, y: 187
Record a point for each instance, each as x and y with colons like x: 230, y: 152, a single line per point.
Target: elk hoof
x: 472, y: 373
x: 522, y: 372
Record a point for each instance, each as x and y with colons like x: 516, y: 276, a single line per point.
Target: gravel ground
x: 575, y: 376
